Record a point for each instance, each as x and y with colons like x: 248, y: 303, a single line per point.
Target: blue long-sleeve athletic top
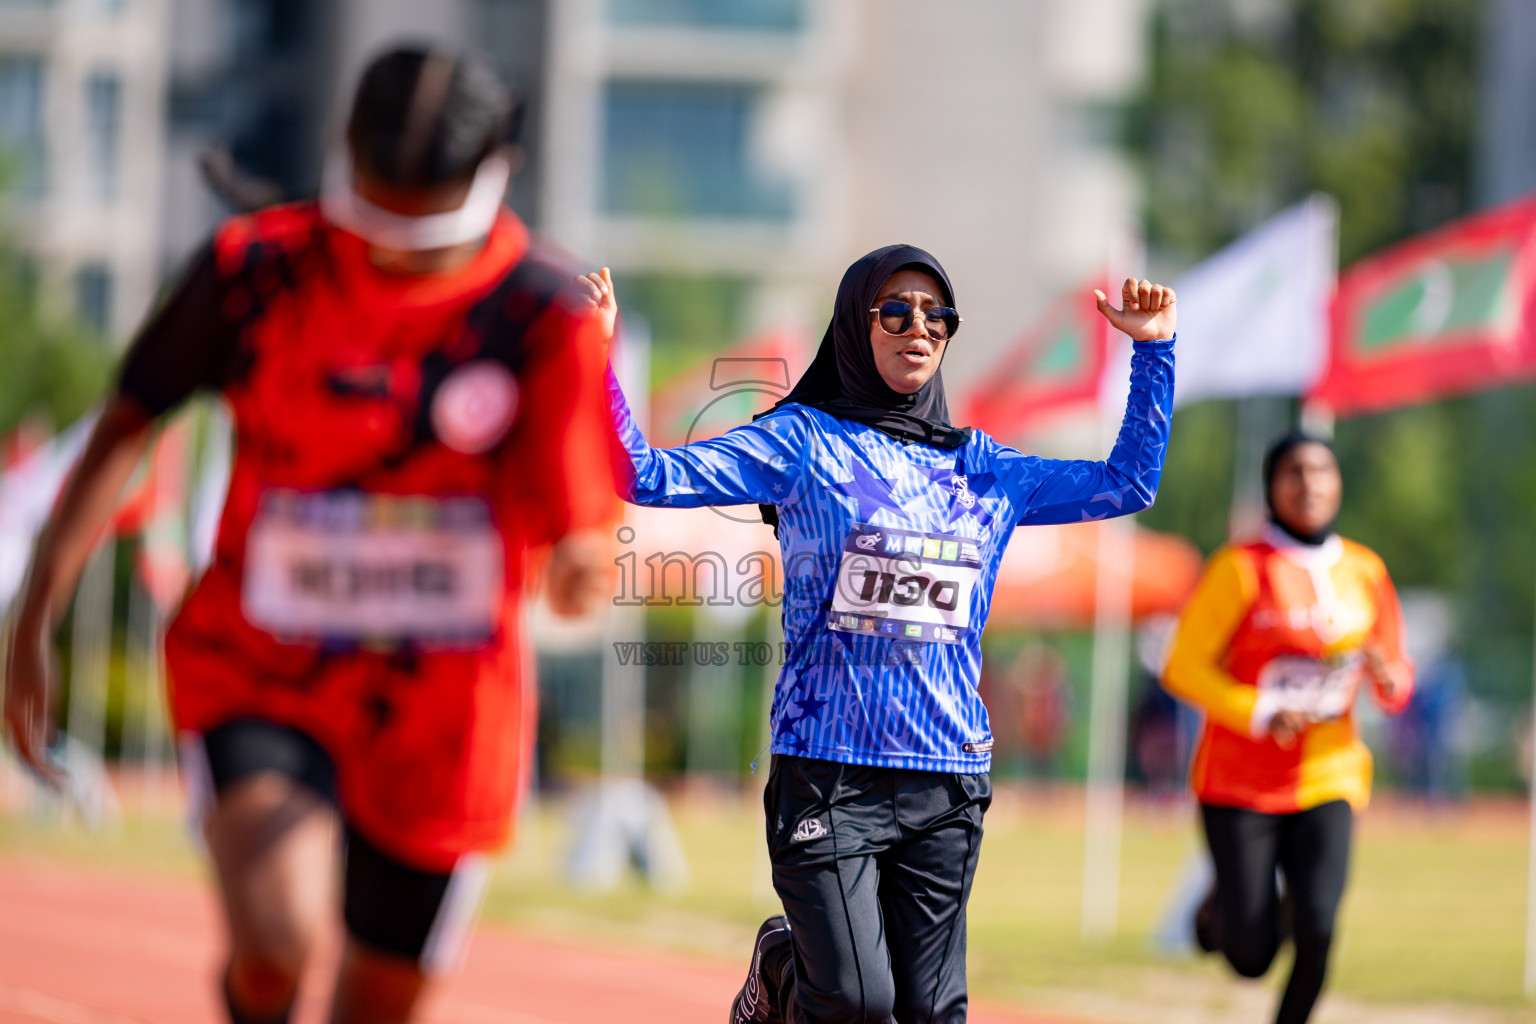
x: 890, y: 553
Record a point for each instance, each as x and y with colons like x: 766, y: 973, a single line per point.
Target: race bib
x: 1323, y: 690
x: 917, y: 586
x: 346, y: 565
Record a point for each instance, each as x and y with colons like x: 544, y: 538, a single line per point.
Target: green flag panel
x: 1443, y: 300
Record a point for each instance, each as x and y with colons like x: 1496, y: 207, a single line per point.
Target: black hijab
x: 842, y: 380
x: 1279, y: 450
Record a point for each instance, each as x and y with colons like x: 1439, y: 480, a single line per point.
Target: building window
x: 93, y: 297
x: 103, y: 126
x: 684, y: 150
x: 22, y: 149
x: 775, y: 15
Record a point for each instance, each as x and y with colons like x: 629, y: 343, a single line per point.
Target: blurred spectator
x: 1045, y: 708
x: 1159, y: 754
x: 1154, y: 746
x: 1426, y: 743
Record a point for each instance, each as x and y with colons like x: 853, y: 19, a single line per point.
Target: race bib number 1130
x: 899, y: 583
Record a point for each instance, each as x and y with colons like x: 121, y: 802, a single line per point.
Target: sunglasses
x: 896, y: 319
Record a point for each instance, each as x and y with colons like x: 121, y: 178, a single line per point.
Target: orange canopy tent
x: 1049, y: 574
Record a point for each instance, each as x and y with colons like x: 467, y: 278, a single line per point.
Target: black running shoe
x: 757, y: 1002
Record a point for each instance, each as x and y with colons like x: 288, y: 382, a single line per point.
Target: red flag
x: 30, y: 435
x: 1053, y: 368
x: 1441, y: 314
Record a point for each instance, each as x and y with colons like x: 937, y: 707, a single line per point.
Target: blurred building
x: 1506, y: 154
x: 82, y: 123
x: 748, y: 150
x: 765, y: 144
x: 270, y: 80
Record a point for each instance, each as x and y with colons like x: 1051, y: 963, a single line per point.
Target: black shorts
x: 389, y: 906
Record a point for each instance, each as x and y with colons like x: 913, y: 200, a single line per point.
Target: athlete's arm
x: 1227, y: 589
x: 756, y: 463
x: 1077, y: 490
x: 1386, y: 659
x: 762, y: 462
x: 1073, y: 491
x: 184, y: 346
x: 117, y: 443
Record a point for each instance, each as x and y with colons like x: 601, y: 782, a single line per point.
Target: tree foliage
x: 51, y: 368
x: 1252, y: 105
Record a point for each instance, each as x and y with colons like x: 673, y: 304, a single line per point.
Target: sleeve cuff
x: 1264, y: 708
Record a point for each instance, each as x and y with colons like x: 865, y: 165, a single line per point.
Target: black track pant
x: 1311, y: 849
x: 874, y: 868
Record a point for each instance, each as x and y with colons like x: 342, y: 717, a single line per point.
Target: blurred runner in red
x: 418, y: 410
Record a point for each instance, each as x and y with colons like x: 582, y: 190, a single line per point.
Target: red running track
x: 92, y: 947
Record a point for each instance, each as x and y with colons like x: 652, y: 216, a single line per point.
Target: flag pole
x: 762, y: 870
x: 90, y: 652
x: 1105, y: 801
x: 1530, y: 881
x: 1104, y: 794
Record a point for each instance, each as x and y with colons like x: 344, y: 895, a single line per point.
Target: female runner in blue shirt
x: 892, y: 524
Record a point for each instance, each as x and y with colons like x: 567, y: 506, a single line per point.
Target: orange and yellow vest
x: 1270, y: 599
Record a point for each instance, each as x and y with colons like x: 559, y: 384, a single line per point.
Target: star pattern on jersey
x: 1115, y: 497
x: 870, y: 492
x: 1077, y: 472
x: 810, y: 709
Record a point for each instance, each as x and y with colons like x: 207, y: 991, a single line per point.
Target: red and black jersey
x: 402, y: 444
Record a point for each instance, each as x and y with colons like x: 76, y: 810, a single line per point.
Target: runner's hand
x: 1287, y: 726
x: 28, y: 703
x: 578, y: 575
x: 1147, y: 310
x: 1388, y: 683
x: 597, y: 289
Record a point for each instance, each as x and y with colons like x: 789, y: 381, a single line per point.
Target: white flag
x: 27, y: 492
x: 1253, y: 319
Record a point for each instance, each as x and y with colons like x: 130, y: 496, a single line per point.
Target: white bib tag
x: 1324, y: 690
x: 917, y: 586
x: 351, y: 566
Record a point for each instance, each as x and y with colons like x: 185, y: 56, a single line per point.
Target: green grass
x: 1434, y: 914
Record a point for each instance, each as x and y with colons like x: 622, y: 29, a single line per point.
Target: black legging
x: 1311, y: 849
x: 874, y: 867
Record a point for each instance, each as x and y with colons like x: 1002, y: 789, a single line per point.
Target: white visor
x: 343, y: 207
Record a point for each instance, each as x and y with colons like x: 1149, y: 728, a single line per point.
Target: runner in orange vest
x: 1273, y: 646
x: 419, y: 410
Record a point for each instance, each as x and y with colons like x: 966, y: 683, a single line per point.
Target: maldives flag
x: 1054, y: 367
x: 1442, y: 314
